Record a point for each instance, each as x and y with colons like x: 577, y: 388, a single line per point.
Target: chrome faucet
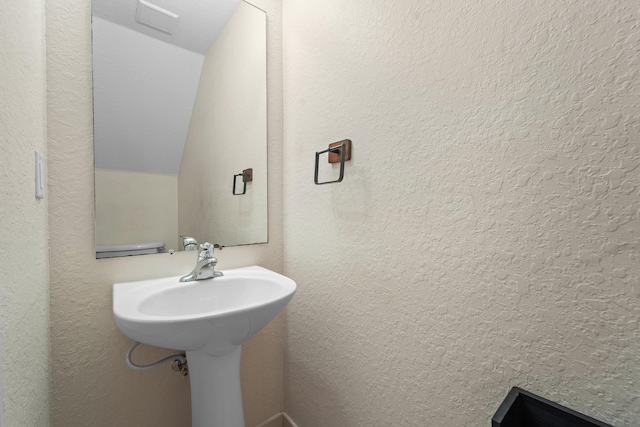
x: 205, y: 268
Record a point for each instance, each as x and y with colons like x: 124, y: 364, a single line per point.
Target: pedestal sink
x: 209, y: 319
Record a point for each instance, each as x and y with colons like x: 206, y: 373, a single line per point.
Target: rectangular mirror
x: 180, y: 111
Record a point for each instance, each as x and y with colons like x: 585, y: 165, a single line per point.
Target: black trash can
x: 523, y: 409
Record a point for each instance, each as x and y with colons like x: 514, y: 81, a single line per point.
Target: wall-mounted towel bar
x: 247, y: 176
x: 337, y: 152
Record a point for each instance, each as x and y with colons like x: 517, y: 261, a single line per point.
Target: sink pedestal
x: 216, y: 399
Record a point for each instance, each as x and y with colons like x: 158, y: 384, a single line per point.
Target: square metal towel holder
x: 338, y: 152
x: 247, y: 176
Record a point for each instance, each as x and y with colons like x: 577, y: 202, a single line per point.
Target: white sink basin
x: 214, y: 315
x: 210, y: 319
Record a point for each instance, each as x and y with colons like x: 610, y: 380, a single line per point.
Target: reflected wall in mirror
x: 180, y: 107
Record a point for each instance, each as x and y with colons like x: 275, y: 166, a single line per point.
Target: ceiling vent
x: 156, y: 17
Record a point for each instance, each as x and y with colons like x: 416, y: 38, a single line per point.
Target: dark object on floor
x: 523, y: 409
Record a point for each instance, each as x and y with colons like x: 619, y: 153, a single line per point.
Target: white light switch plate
x: 39, y: 177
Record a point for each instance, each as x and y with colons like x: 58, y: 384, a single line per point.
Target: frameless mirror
x: 180, y: 111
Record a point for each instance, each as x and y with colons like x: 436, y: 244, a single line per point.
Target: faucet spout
x: 206, y: 266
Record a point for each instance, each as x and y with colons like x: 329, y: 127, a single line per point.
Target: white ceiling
x: 199, y: 22
x: 145, y: 80
x: 143, y: 95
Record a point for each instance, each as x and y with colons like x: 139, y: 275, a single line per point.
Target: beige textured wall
x: 91, y: 385
x: 486, y: 233
x: 24, y: 258
x: 228, y: 134
x: 136, y: 207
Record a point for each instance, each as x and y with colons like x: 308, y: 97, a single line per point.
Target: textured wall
x: 228, y: 134
x: 24, y: 261
x: 136, y: 207
x: 486, y: 233
x: 91, y: 385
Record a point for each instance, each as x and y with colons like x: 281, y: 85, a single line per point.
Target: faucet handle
x: 208, y: 250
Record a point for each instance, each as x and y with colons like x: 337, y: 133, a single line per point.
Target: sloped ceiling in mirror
x: 199, y: 21
x: 150, y: 78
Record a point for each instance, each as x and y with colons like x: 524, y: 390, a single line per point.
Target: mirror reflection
x: 179, y: 113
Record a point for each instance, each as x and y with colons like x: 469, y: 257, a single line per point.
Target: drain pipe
x: 179, y: 362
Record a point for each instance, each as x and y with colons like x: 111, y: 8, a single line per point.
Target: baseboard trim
x: 282, y: 416
x: 289, y: 420
x: 265, y: 422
